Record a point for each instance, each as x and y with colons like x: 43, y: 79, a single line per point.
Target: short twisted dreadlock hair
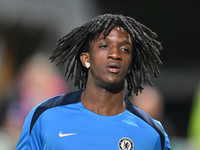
x: 145, y: 53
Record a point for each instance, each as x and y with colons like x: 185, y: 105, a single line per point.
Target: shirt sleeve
x: 167, y: 142
x: 29, y: 141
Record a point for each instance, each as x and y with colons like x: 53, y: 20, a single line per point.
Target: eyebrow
x: 124, y: 41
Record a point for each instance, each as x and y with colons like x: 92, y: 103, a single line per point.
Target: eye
x: 125, y: 50
x: 103, y: 46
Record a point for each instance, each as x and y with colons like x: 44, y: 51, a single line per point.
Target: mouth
x: 113, y: 68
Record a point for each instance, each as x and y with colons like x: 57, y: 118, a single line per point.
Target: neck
x: 103, y: 102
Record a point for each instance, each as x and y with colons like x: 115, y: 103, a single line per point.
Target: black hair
x: 145, y: 54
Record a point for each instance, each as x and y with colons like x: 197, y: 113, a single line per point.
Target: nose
x: 114, y: 53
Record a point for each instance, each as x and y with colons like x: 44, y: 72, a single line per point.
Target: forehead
x: 120, y: 29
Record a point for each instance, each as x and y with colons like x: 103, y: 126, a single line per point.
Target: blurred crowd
x: 36, y: 81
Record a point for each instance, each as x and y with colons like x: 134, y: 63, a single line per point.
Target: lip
x: 113, y: 67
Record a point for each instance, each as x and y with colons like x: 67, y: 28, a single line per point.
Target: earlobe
x: 84, y: 57
x: 87, y: 64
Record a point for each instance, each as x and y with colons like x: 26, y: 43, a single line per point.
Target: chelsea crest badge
x: 126, y: 144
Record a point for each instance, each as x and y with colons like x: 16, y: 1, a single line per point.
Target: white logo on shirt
x: 62, y: 135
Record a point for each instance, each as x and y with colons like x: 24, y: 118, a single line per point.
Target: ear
x: 84, y: 57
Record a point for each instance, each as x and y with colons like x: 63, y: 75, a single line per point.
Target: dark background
x: 177, y: 24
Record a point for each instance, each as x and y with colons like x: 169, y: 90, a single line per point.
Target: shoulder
x: 56, y: 101
x: 150, y: 121
x: 60, y: 100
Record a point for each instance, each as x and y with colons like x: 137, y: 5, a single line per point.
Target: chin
x: 112, y: 81
x: 115, y: 80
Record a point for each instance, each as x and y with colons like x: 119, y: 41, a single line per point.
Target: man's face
x: 110, y: 58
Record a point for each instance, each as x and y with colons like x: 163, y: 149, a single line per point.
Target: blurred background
x: 30, y: 29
